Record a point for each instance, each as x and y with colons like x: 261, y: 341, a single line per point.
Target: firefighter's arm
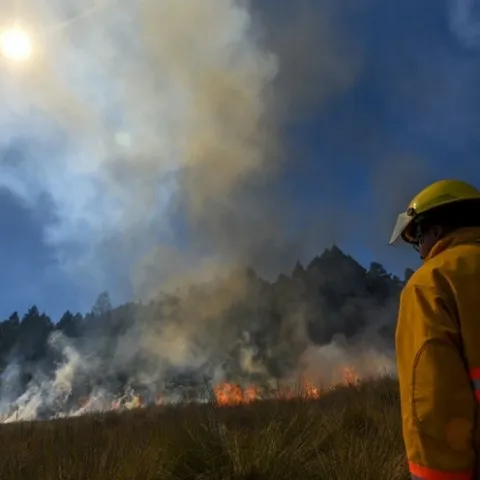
x: 438, y: 405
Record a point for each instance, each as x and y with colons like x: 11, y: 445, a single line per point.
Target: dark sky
x: 383, y: 104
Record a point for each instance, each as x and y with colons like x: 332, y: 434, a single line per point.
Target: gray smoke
x: 129, y: 110
x: 156, y: 131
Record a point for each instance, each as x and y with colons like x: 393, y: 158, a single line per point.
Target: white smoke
x: 127, y: 111
x: 118, y: 101
x: 48, y: 396
x: 42, y: 392
x: 329, y: 363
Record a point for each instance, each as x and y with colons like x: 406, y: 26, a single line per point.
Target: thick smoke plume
x: 325, y: 324
x: 152, y: 134
x: 136, y: 113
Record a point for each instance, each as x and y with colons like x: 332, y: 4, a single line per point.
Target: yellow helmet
x: 437, y: 194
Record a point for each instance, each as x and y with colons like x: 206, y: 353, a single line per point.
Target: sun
x: 15, y: 44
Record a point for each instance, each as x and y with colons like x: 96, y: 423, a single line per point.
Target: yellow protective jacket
x: 438, y: 358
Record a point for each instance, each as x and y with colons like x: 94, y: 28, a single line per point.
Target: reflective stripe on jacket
x: 438, y: 358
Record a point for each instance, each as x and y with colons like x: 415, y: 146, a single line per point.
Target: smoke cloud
x: 128, y: 111
x: 155, y: 134
x: 160, y: 127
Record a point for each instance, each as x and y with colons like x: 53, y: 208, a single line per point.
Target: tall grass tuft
x: 350, y: 433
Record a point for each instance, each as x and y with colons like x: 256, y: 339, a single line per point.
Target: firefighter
x: 438, y: 333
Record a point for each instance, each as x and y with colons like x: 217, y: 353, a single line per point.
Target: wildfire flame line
x: 234, y: 394
x: 225, y: 394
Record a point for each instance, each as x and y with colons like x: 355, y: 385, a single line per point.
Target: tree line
x: 275, y: 321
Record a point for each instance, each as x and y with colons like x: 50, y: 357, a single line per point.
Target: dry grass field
x: 350, y: 433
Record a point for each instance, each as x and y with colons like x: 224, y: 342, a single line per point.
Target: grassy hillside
x: 350, y: 433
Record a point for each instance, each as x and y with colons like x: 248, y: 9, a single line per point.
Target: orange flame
x: 311, y: 392
x: 350, y: 376
x: 234, y: 394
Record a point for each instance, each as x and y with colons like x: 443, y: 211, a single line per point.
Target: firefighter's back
x: 456, y: 273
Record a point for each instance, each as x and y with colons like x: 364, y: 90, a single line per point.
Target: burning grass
x: 351, y: 432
